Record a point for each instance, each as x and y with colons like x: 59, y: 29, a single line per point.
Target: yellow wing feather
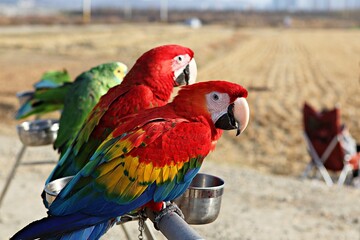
x: 123, y: 175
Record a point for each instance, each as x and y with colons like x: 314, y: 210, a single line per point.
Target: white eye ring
x: 215, y: 97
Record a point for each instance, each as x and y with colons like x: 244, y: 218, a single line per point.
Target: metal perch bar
x: 175, y: 228
x: 171, y: 225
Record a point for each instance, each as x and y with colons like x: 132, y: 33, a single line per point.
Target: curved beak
x: 188, y: 75
x: 236, y: 117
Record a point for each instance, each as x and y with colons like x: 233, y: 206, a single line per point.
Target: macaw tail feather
x: 65, y: 227
x: 90, y: 233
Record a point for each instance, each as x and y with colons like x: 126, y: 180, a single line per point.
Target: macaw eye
x: 119, y: 71
x: 215, y: 96
x: 179, y: 58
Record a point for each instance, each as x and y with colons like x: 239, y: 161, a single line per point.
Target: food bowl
x: 53, y: 188
x: 24, y: 96
x: 38, y: 132
x: 201, y: 202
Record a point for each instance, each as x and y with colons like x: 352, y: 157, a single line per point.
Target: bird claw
x: 156, y: 217
x: 127, y: 218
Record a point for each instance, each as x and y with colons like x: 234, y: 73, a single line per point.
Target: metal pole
x: 12, y: 172
x: 86, y: 11
x: 127, y: 9
x: 164, y: 11
x: 175, y: 228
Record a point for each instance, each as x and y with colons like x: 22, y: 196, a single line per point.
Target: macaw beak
x: 188, y: 75
x: 237, y: 116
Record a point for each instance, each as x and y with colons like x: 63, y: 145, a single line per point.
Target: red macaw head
x: 222, y: 103
x: 164, y: 67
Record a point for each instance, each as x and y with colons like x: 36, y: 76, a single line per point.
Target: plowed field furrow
x: 298, y: 70
x: 231, y: 63
x: 281, y: 68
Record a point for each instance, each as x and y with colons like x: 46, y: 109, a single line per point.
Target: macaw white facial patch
x: 179, y: 63
x: 217, y: 104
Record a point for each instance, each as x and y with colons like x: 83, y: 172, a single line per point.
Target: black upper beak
x: 184, y: 77
x: 227, y: 121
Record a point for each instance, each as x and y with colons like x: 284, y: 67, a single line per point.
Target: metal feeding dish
x: 38, y: 132
x: 24, y: 96
x: 201, y: 202
x: 53, y: 188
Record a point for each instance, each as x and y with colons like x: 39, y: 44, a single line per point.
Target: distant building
x: 193, y: 22
x: 287, y: 21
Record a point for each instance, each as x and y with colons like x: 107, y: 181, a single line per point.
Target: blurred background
x: 285, y: 52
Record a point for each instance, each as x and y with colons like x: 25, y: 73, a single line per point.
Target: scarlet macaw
x: 151, y: 156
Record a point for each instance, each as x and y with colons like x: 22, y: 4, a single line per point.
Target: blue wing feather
x: 54, y: 226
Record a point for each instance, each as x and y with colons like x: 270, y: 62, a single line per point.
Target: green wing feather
x: 124, y: 166
x: 43, y: 101
x: 127, y: 165
x: 48, y: 96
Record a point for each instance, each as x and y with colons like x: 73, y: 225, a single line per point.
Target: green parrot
x: 82, y: 95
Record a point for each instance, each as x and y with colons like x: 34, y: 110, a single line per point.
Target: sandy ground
x: 281, y: 68
x: 254, y: 205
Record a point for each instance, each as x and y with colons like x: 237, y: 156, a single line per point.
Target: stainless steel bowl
x: 201, y: 202
x: 53, y: 188
x: 24, y: 96
x: 38, y: 132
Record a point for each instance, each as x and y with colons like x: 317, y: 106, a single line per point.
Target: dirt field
x: 282, y: 68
